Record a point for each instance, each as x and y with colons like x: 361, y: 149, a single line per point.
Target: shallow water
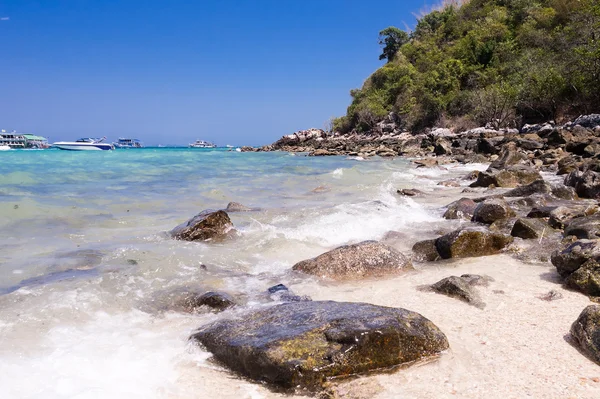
x: 85, y: 260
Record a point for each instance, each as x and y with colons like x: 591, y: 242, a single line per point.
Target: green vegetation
x: 504, y: 62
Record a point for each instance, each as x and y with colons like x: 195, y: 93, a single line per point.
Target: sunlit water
x: 85, y: 256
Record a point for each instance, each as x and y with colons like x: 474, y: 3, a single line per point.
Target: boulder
x: 589, y: 121
x: 586, y: 279
x: 425, y: 251
x: 461, y: 209
x: 511, y: 177
x: 207, y: 225
x: 303, y: 344
x: 561, y: 215
x: 529, y: 228
x: 491, y: 210
x: 471, y: 242
x: 586, y: 331
x: 237, y: 207
x: 575, y: 255
x: 458, y: 287
x: 586, y: 184
x: 537, y: 187
x: 584, y: 227
x: 365, y: 259
x: 508, y: 157
x: 568, y: 164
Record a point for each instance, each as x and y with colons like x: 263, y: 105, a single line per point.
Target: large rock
x: 491, y: 210
x: 561, y: 215
x: 508, y: 157
x: 586, y: 279
x: 425, y: 251
x: 575, y: 255
x: 511, y: 177
x: 365, y: 259
x: 461, y: 209
x: 584, y: 227
x: 586, y: 330
x: 471, y: 242
x: 302, y: 344
x: 537, y: 187
x: 207, y: 225
x: 587, y: 184
x: 460, y: 288
x: 530, y: 228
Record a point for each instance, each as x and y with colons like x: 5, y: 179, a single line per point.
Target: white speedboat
x: 85, y: 144
x: 128, y: 143
x: 4, y: 148
x: 202, y: 144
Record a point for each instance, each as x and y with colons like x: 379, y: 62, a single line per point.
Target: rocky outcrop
x: 586, y: 331
x: 471, y: 242
x: 205, y: 226
x: 302, y: 344
x: 365, y: 259
x: 460, y: 288
x: 491, y: 210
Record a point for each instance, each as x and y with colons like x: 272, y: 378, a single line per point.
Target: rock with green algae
x: 491, y: 210
x: 471, y: 242
x: 205, y: 226
x: 586, y: 279
x: 586, y: 330
x: 511, y: 177
x: 365, y: 259
x: 303, y: 344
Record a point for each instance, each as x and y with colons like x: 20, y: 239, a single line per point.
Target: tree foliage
x: 494, y: 61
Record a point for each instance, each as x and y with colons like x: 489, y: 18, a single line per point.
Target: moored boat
x: 4, y: 147
x: 202, y: 144
x: 84, y: 144
x: 128, y: 143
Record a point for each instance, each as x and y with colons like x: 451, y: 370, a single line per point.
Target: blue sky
x: 168, y: 72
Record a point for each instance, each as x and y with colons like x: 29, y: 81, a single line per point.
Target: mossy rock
x: 471, y: 242
x: 303, y: 344
x: 586, y: 279
x: 207, y: 225
x: 586, y: 330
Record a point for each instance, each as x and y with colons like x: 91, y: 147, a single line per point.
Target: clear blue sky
x: 234, y: 72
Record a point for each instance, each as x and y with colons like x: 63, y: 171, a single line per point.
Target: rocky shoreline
x: 508, y: 209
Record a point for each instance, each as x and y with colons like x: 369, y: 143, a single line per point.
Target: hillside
x: 470, y: 63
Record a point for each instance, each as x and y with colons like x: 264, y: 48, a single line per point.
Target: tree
x: 391, y: 39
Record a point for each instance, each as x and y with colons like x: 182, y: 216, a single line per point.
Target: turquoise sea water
x: 86, y: 260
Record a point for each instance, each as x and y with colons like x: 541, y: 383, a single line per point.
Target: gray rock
x: 281, y: 293
x: 237, y: 207
x: 212, y: 299
x: 589, y: 121
x: 492, y: 210
x: 530, y: 228
x: 511, y: 177
x: 586, y: 279
x: 476, y: 279
x: 575, y: 255
x: 471, y: 242
x: 302, y: 344
x: 410, y: 192
x: 458, y: 287
x: 586, y: 184
x: 425, y: 251
x: 537, y: 187
x: 584, y: 227
x: 365, y: 259
x: 207, y: 225
x: 561, y: 215
x: 586, y: 330
x: 461, y: 209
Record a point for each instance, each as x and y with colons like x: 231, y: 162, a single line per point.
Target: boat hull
x: 83, y: 146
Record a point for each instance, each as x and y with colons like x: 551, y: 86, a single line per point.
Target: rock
x: 511, y: 177
x: 365, y: 259
x: 586, y: 331
x: 560, y: 215
x: 584, y: 227
x: 530, y: 145
x: 575, y: 255
x: 237, y: 207
x: 567, y: 165
x: 589, y: 121
x: 281, y: 293
x: 425, y: 251
x: 214, y: 300
x: 471, y: 242
x: 476, y: 279
x: 442, y: 147
x: 410, y: 192
x: 492, y: 210
x: 302, y: 344
x: 207, y: 225
x: 564, y: 192
x: 321, y: 153
x: 586, y: 279
x: 508, y: 157
x: 586, y: 184
x: 529, y: 228
x: 461, y: 209
x: 537, y: 187
x: 449, y: 183
x: 458, y: 287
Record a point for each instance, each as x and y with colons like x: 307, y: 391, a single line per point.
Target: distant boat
x: 4, y: 148
x: 202, y: 144
x: 229, y: 146
x: 128, y: 143
x: 84, y: 144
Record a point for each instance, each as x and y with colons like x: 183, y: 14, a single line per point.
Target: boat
x: 84, y: 144
x: 202, y: 144
x: 4, y: 147
x: 128, y: 143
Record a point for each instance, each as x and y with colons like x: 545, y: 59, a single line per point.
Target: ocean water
x: 86, y: 262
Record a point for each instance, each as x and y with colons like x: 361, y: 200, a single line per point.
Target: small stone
x: 458, y: 287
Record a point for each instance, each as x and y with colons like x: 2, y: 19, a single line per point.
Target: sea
x: 87, y: 265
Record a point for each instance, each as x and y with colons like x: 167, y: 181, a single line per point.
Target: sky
x: 241, y: 72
